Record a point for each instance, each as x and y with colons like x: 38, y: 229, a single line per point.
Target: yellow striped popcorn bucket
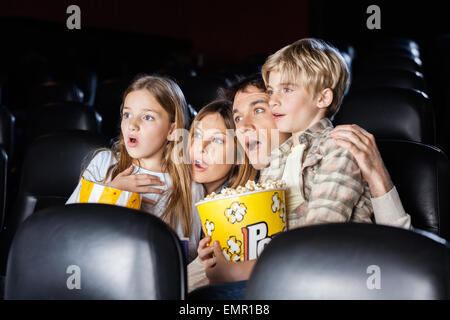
x: 91, y: 192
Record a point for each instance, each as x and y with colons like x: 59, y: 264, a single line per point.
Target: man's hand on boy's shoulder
x: 361, y: 144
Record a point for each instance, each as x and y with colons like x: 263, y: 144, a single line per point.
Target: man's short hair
x: 317, y: 64
x: 241, y: 84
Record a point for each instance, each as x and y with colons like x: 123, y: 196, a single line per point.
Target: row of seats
x: 93, y: 251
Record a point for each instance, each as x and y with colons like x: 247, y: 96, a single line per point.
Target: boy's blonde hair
x: 317, y: 64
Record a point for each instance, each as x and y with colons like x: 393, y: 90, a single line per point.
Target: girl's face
x: 145, y: 127
x: 212, y: 150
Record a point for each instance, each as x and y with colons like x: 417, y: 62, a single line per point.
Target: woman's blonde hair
x: 169, y: 95
x: 317, y: 64
x: 239, y: 173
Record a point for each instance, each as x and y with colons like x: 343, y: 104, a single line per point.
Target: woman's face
x: 212, y: 150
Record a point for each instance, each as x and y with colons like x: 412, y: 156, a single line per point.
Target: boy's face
x: 255, y: 127
x: 293, y: 108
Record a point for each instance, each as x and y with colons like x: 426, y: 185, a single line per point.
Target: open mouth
x: 132, y: 141
x: 277, y: 116
x: 200, y: 165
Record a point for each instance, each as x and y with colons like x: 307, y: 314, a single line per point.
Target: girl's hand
x: 205, y: 252
x: 361, y: 144
x: 139, y: 183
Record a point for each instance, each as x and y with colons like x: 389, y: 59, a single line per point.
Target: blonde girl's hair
x: 178, y: 209
x: 239, y: 173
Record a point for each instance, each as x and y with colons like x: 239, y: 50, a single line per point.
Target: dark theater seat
x: 51, y: 170
x: 421, y: 174
x: 57, y: 117
x: 391, y: 78
x: 94, y: 251
x: 351, y: 261
x: 3, y: 184
x: 7, y: 125
x: 51, y: 91
x: 387, y: 61
x: 391, y: 113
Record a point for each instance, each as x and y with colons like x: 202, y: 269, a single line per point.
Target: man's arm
x: 387, y: 206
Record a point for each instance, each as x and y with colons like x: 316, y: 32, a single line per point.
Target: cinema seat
x: 3, y: 185
x: 57, y: 117
x: 387, y: 61
x: 108, y: 101
x: 51, y: 170
x: 7, y: 125
x: 95, y: 252
x: 351, y: 261
x: 389, y: 45
x: 421, y: 174
x: 391, y: 78
x: 51, y: 92
x: 391, y: 113
x: 199, y: 90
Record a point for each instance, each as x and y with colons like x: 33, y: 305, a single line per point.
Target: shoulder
x: 104, y: 157
x: 99, y: 165
x: 328, y: 148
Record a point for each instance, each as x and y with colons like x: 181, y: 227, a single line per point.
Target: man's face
x: 255, y: 126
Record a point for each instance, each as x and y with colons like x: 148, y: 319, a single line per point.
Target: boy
x: 306, y: 82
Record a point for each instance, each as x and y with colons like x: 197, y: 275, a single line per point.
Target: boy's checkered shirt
x: 330, y: 180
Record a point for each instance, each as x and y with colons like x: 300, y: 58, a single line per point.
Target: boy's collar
x: 304, y: 138
x: 314, y: 130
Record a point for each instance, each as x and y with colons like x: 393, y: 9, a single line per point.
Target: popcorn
x: 249, y: 187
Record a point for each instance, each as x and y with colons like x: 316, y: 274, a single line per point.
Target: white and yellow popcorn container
x: 91, y: 192
x: 244, y: 223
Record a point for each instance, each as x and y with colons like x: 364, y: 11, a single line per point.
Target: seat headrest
x: 351, y: 261
x: 390, y: 113
x: 57, y: 117
x: 53, y: 162
x: 94, y: 251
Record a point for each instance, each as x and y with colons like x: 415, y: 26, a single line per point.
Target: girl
x: 142, y: 157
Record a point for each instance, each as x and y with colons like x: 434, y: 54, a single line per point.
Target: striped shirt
x: 330, y: 180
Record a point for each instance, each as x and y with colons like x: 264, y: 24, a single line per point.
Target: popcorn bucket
x: 244, y: 223
x: 91, y: 192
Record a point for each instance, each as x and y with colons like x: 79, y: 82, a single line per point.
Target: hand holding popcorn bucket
x: 91, y: 192
x: 244, y: 220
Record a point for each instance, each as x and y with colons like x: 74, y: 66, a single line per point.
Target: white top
x: 388, y: 210
x: 96, y: 172
x: 291, y: 176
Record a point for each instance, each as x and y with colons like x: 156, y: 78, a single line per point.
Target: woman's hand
x: 205, y: 252
x: 221, y: 270
x: 217, y: 268
x: 139, y: 183
x: 363, y: 147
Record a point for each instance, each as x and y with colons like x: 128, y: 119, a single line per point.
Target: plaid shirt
x: 330, y: 180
